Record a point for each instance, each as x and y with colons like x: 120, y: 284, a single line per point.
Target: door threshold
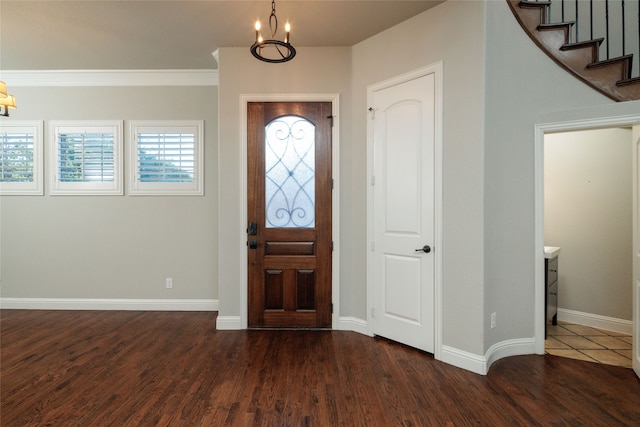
x: 272, y: 328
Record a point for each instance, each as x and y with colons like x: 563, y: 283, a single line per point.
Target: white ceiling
x: 180, y: 34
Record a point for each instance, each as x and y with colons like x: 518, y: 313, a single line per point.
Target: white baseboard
x: 516, y: 347
x: 353, y: 324
x: 596, y: 321
x: 462, y: 359
x: 109, y: 304
x: 481, y: 364
x: 228, y: 323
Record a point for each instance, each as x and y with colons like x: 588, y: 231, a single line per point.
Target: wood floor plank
x: 126, y: 368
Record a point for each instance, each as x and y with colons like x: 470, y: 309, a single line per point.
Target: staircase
x: 559, y: 40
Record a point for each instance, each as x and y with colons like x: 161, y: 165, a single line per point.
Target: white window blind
x: 86, y: 157
x: 20, y: 158
x: 16, y: 155
x: 165, y: 157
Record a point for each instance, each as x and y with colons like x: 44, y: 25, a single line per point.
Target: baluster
x: 623, y: 30
x: 590, y: 19
x: 577, y: 36
x: 606, y: 20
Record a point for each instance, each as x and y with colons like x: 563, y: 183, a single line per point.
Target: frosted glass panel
x: 290, y: 173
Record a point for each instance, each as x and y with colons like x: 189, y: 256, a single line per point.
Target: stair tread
x: 579, y: 45
x: 535, y: 3
x: 556, y: 25
x: 629, y: 81
x: 606, y: 62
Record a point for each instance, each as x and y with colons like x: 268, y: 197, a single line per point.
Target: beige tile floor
x: 590, y: 344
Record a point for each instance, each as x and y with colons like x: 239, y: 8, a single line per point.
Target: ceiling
x: 181, y: 34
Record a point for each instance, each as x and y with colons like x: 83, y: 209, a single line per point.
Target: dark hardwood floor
x: 126, y: 368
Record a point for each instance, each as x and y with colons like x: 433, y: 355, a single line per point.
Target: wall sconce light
x: 6, y: 101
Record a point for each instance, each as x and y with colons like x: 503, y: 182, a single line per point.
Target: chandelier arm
x: 280, y: 52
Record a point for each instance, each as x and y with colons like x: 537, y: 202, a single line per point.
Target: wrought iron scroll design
x: 290, y: 173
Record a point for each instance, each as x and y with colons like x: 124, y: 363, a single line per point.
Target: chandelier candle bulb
x: 258, y: 36
x: 287, y: 29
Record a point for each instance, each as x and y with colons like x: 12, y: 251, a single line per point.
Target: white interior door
x: 403, y: 117
x: 635, y: 351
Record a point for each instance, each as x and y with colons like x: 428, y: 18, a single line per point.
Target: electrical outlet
x: 493, y: 320
x: 168, y: 283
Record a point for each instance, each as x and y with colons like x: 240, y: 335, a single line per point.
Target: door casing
x: 334, y: 98
x: 437, y: 70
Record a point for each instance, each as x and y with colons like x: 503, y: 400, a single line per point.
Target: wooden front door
x: 289, y: 213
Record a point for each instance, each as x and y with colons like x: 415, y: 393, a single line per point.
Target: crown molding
x: 110, y: 77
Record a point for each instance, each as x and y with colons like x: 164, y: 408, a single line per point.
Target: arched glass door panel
x: 290, y: 173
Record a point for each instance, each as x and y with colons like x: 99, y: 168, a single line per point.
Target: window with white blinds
x: 165, y: 158
x: 21, y: 158
x: 86, y: 158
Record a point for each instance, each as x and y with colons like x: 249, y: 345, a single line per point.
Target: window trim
x: 193, y: 188
x: 113, y: 188
x: 35, y: 187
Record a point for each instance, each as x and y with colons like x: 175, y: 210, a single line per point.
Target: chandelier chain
x: 273, y: 19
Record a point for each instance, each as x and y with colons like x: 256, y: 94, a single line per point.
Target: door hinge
x: 332, y: 183
x: 331, y: 308
x: 373, y: 113
x: 332, y: 246
x: 330, y: 118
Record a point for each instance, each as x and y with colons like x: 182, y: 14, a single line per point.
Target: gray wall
x: 314, y: 70
x: 588, y: 213
x: 348, y: 72
x: 524, y: 88
x: 113, y: 246
x: 418, y: 42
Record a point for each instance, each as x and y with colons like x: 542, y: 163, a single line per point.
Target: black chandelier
x: 273, y: 50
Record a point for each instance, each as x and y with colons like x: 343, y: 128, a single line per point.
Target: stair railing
x: 617, y: 21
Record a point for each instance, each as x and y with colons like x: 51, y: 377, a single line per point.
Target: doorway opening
x: 588, y: 215
x: 576, y: 185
